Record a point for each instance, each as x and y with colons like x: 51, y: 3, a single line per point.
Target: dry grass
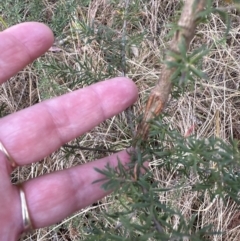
x: 213, y: 106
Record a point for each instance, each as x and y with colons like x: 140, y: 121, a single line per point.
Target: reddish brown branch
x: 160, y: 93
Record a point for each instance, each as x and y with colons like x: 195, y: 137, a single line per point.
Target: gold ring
x: 10, y: 159
x: 27, y: 223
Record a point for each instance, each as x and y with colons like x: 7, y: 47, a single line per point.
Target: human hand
x: 33, y: 133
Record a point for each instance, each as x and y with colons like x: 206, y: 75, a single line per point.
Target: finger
x: 9, y: 218
x: 20, y: 45
x: 53, y: 197
x: 31, y: 134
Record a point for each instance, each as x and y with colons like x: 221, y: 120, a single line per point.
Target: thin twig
x: 157, y: 224
x: 129, y: 111
x: 123, y: 53
x: 89, y: 148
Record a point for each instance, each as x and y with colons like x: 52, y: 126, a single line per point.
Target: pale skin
x: 33, y: 133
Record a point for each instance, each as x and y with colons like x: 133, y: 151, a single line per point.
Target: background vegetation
x: 99, y: 39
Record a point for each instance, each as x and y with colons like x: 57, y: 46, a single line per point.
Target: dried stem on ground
x: 160, y: 93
